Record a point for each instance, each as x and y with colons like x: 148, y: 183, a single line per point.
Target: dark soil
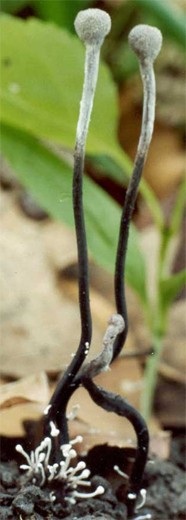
x: 28, y: 501
x: 164, y: 481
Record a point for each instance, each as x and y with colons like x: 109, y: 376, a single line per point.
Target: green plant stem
x: 150, y: 376
x: 164, y: 244
x: 158, y: 326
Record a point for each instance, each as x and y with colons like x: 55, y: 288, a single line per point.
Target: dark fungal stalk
x: 146, y: 42
x: 115, y: 403
x: 92, y: 25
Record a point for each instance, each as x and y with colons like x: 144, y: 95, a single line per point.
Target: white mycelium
x: 71, y: 476
x: 46, y: 410
x: 121, y: 473
x: 143, y: 494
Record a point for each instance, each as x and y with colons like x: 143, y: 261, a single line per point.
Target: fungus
x: 91, y: 25
x: 146, y: 42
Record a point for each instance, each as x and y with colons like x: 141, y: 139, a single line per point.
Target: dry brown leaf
x: 60, y: 244
x: 166, y: 162
x: 170, y: 403
x: 40, y: 326
x: 171, y: 385
x: 11, y: 419
x: 33, y: 388
x: 172, y: 373
x: 107, y: 427
x: 160, y: 443
x: 171, y: 391
x: 173, y: 365
x: 102, y: 302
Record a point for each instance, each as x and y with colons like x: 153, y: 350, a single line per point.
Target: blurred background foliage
x: 167, y: 15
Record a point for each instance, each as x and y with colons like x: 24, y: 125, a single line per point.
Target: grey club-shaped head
x: 92, y: 25
x: 146, y: 42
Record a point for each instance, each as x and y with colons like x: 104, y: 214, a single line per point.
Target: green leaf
x: 12, y: 6
x: 49, y: 179
x: 58, y: 11
x: 108, y: 168
x: 42, y: 79
x: 52, y: 11
x: 170, y: 287
x: 179, y: 207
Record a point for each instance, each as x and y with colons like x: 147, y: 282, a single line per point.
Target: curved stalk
x: 141, y: 39
x: 114, y: 403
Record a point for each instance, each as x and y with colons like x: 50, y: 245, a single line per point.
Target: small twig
x: 146, y: 43
x: 92, y: 25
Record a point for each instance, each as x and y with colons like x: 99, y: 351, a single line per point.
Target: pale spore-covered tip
x: 145, y: 41
x: 92, y: 25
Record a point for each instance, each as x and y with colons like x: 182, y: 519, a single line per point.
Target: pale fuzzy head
x: 92, y: 25
x: 145, y: 41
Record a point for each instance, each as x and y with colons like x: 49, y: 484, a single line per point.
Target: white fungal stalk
x: 99, y: 491
x: 73, y: 414
x: 37, y: 461
x: 143, y: 496
x: 121, y: 473
x: 141, y: 499
x: 92, y: 25
x: 146, y: 42
x: 71, y: 477
x: 146, y: 516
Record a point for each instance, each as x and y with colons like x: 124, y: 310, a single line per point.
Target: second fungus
x: 145, y: 41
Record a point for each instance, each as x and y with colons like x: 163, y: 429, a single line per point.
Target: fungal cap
x: 145, y: 41
x: 92, y: 25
